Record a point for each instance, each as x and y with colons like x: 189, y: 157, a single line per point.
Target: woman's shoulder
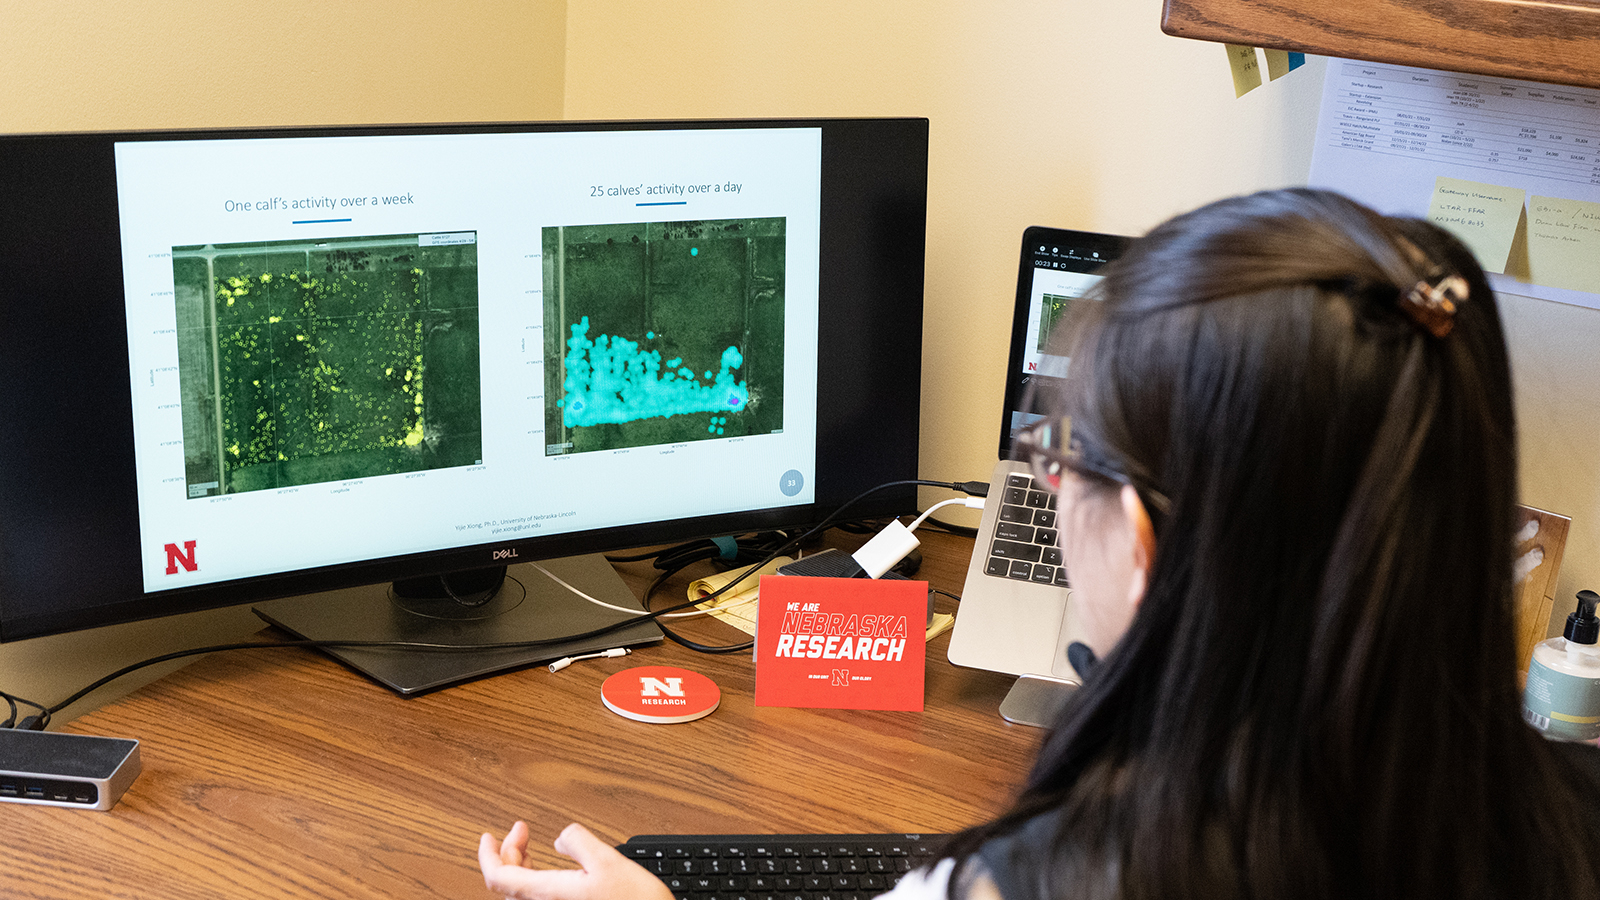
x: 934, y: 884
x: 1584, y: 758
x: 1582, y: 762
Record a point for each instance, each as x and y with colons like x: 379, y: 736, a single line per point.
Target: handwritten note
x: 1564, y: 243
x: 1388, y: 132
x: 1246, y: 68
x: 1483, y: 216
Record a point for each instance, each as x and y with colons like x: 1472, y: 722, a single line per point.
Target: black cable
x: 680, y: 639
x: 666, y: 557
x: 745, y: 554
x: 47, y: 711
x: 637, y: 557
x: 972, y: 488
x: 40, y: 720
x: 951, y: 527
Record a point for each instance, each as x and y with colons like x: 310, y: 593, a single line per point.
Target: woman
x: 1286, y: 458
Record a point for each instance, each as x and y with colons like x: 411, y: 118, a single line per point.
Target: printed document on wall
x: 1510, y: 167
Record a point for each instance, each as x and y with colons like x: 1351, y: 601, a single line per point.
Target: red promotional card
x: 841, y: 643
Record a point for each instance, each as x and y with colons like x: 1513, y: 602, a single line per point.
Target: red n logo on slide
x: 184, y: 557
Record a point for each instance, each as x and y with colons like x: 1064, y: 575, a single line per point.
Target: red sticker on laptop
x: 660, y: 694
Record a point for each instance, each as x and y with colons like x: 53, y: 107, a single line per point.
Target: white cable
x: 906, y: 547
x: 968, y: 502
x: 886, y: 548
x: 634, y: 612
x: 562, y: 663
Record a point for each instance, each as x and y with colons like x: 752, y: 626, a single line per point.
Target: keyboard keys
x: 813, y: 867
x: 1008, y: 531
x: 1014, y: 550
x: 1026, y: 545
x: 1017, y: 514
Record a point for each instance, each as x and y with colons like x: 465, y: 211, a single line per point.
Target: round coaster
x: 660, y: 694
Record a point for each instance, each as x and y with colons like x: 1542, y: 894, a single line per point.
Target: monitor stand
x: 1035, y: 700
x: 528, y: 606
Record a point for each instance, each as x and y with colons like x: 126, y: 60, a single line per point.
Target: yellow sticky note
x: 1246, y: 68
x: 1564, y: 243
x: 737, y: 608
x: 1277, y: 63
x: 1483, y: 216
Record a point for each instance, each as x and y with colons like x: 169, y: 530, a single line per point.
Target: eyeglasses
x: 1052, y: 448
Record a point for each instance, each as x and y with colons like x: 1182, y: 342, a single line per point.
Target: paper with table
x: 1510, y: 167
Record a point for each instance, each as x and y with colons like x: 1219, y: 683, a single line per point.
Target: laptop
x: 1014, y: 613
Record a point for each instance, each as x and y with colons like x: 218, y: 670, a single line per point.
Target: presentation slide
x: 1054, y: 291
x: 347, y: 348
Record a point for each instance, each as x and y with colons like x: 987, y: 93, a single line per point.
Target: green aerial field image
x: 663, y: 332
x: 312, y: 361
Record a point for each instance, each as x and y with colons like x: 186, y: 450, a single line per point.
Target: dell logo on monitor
x: 504, y: 554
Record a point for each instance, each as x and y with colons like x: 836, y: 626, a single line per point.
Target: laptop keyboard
x: 781, y: 866
x: 1025, y: 546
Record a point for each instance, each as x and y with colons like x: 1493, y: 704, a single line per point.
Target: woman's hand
x: 603, y: 873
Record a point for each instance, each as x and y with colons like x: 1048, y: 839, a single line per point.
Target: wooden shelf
x: 1557, y: 43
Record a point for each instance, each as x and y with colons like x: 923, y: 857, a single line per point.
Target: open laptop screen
x: 1057, y: 267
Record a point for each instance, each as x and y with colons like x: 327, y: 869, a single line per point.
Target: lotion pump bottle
x: 1562, y: 698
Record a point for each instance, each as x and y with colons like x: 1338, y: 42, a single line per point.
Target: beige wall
x: 181, y: 64
x: 169, y: 63
x: 1553, y: 349
x: 1077, y: 113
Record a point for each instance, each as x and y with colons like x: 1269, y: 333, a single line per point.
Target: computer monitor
x: 266, y: 363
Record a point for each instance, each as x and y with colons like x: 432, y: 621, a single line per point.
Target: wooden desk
x: 280, y: 774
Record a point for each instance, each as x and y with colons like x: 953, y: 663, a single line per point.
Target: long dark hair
x: 1317, y: 695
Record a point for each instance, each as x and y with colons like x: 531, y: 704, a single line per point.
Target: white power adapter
x: 886, y: 548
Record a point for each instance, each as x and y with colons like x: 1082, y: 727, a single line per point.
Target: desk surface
x: 279, y: 774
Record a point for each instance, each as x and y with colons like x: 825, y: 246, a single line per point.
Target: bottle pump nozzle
x: 1582, y: 625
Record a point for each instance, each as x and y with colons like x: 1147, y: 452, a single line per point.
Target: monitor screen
x: 251, y: 364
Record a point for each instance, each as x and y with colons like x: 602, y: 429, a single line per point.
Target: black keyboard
x: 781, y: 866
x: 1025, y: 545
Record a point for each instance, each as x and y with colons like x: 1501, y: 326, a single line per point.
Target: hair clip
x: 1433, y: 306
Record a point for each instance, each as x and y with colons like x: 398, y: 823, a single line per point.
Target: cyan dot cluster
x: 614, y: 380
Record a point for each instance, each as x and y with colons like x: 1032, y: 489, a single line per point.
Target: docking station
x: 53, y: 768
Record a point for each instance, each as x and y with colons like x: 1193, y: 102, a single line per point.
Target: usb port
x: 36, y: 793
x: 8, y: 790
